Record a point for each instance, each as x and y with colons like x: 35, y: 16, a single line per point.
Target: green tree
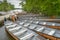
x: 5, y: 6
x: 46, y: 7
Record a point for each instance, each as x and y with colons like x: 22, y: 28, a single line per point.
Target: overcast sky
x: 15, y: 3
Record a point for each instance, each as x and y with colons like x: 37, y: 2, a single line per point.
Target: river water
x: 3, y: 34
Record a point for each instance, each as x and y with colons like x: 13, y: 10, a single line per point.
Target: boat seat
x: 27, y: 36
x: 26, y: 24
x: 16, y: 28
x: 20, y: 32
x: 36, y: 22
x: 32, y: 26
x: 21, y: 23
x: 51, y: 32
x: 11, y: 25
x: 40, y: 29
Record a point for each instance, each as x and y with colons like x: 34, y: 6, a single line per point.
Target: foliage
x: 5, y: 6
x: 46, y: 7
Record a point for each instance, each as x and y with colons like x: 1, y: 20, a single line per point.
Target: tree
x: 5, y: 6
x: 46, y: 7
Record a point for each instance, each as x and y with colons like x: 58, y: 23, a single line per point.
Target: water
x: 4, y: 35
